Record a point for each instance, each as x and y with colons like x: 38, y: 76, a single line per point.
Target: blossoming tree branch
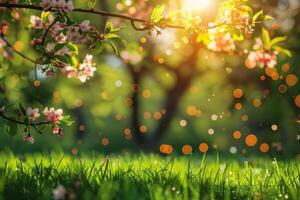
x: 57, y: 38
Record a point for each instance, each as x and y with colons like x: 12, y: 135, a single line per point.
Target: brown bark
x: 171, y: 102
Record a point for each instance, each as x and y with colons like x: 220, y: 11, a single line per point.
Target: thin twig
x: 13, y: 48
x: 23, y: 123
x: 47, y: 32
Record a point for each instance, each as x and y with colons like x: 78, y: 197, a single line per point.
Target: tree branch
x: 102, y: 13
x: 23, y: 123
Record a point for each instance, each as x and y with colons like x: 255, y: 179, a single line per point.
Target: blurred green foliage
x: 100, y: 106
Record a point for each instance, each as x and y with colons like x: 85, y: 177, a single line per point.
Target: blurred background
x: 164, y: 90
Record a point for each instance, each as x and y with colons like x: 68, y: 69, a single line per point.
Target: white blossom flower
x: 221, y: 42
x: 86, y: 69
x: 36, y: 22
x: 71, y: 71
x: 28, y: 138
x: 59, y: 193
x: 61, y: 38
x: 62, y: 5
x: 50, y: 47
x: 33, y: 114
x: 85, y: 26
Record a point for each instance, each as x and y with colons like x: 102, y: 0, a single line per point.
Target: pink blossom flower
x: 51, y: 18
x: 86, y: 69
x: 33, y: 114
x: 57, y: 131
x: 261, y: 57
x: 28, y: 138
x: 46, y: 4
x: 53, y: 115
x: 61, y: 38
x: 74, y: 34
x: 36, y: 22
x: 36, y: 41
x: 63, y: 51
x: 71, y: 72
x: 57, y: 4
x: 50, y: 47
x: 69, y: 6
x: 56, y: 29
x: 85, y: 26
x: 221, y: 42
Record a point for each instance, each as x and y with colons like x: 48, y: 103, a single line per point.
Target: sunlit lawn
x: 145, y: 177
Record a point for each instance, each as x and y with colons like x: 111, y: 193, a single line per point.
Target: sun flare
x: 197, y: 5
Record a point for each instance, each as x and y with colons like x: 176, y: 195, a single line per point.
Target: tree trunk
x: 172, y: 100
x: 135, y: 114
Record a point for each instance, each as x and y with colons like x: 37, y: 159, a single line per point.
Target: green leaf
x: 98, y: 47
x: 266, y: 39
x: 3, y: 126
x: 278, y: 40
x: 63, y: 58
x: 74, y: 61
x: 92, y: 3
x: 237, y: 34
x: 12, y: 128
x: 268, y: 17
x: 283, y: 51
x: 58, y: 47
x: 111, y: 35
x: 72, y: 47
x: 109, y: 28
x: 66, y: 120
x: 116, y: 38
x: 256, y: 16
x: 44, y: 16
x: 157, y: 13
x: 22, y: 109
x: 114, y: 47
x: 247, y: 8
x: 39, y: 48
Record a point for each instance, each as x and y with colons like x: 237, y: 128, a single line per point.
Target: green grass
x: 146, y: 177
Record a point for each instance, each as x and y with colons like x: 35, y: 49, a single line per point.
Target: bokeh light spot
x: 203, y: 147
x: 183, y: 123
x: 291, y: 80
x: 237, y: 135
x: 166, y: 149
x: 297, y: 101
x: 105, y: 141
x: 264, y: 148
x: 251, y: 140
x: 143, y: 129
x: 274, y: 127
x: 238, y: 93
x: 187, y: 149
